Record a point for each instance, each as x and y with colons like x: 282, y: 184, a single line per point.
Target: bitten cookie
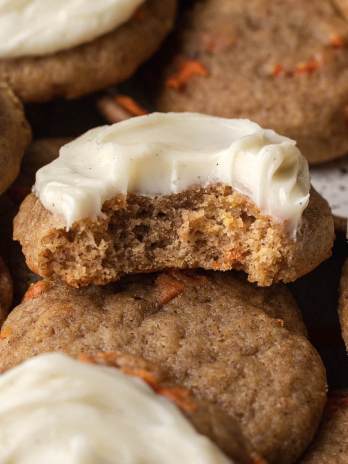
x: 15, y: 136
x: 175, y: 191
x: 343, y: 304
x: 330, y: 446
x: 240, y: 347
x: 95, y: 45
x: 282, y: 63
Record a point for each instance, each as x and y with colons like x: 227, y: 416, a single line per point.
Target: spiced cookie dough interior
x: 240, y: 347
x: 67, y: 49
x: 175, y: 191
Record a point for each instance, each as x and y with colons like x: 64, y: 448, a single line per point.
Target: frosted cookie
x: 5, y: 291
x: 281, y: 64
x: 331, y: 443
x: 343, y: 304
x: 175, y: 191
x: 114, y: 408
x: 67, y: 49
x: 14, y: 136
x: 240, y: 347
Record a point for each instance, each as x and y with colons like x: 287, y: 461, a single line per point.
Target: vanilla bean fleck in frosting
x: 167, y: 153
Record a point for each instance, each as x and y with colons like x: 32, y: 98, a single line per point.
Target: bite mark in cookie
x: 175, y: 191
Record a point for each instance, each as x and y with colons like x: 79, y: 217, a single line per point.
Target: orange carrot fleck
x: 336, y: 40
x: 35, y: 290
x: 187, y: 70
x: 278, y: 70
x: 168, y: 288
x: 130, y: 105
x: 5, y: 332
x: 180, y: 396
x: 307, y: 67
x: 147, y: 376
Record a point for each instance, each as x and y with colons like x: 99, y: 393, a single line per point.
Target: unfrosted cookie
x: 175, y: 191
x: 14, y: 136
x: 240, y: 347
x: 282, y: 63
x: 95, y: 63
x: 5, y: 291
x: 330, y: 446
x: 343, y: 304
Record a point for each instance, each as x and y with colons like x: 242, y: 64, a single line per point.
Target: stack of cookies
x: 153, y: 322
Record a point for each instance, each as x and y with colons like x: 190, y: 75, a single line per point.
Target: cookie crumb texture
x: 211, y: 228
x: 104, y: 61
x: 237, y: 346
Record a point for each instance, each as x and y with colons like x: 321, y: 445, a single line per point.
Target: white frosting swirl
x: 167, y: 153
x: 56, y: 410
x: 40, y: 27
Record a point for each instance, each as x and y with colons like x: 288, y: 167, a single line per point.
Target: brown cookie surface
x: 232, y: 344
x: 211, y: 227
x: 330, y: 446
x: 107, y: 60
x: 15, y: 136
x: 343, y: 304
x: 283, y: 64
x: 207, y: 418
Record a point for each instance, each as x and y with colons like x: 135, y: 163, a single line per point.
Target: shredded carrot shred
x: 336, y: 41
x: 147, y: 376
x: 307, y: 67
x: 5, y: 332
x: 180, y: 396
x: 187, y: 70
x: 277, y: 70
x: 168, y: 288
x: 35, y: 290
x: 130, y: 105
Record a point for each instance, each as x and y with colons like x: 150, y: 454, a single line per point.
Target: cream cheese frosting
x: 167, y: 153
x: 40, y: 27
x: 56, y: 410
